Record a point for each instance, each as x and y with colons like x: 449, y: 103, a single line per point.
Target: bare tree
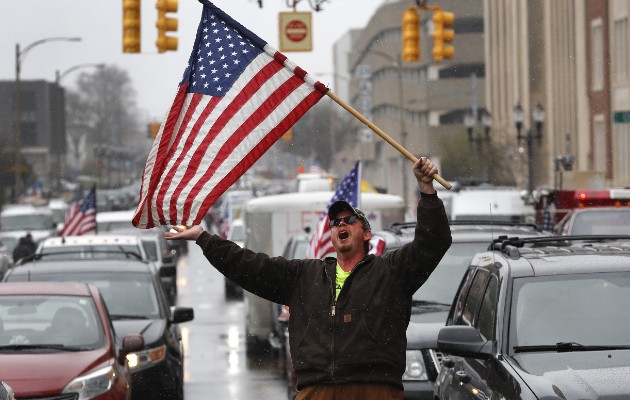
x: 103, y: 126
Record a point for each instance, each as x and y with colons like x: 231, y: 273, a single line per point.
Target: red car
x: 57, y: 338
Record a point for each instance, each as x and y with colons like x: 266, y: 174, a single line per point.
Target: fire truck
x: 552, y: 206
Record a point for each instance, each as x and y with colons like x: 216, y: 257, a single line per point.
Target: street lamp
x: 538, y: 116
x: 17, y: 128
x: 61, y: 130
x: 470, y: 121
x: 401, y: 115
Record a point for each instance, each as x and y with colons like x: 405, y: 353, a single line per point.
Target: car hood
x: 42, y: 374
x: 583, y: 375
x: 423, y: 329
x: 151, y: 329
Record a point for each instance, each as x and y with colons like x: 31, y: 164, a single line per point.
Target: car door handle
x: 448, y: 362
x: 462, y: 376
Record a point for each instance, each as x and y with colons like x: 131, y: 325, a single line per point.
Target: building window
x: 622, y: 162
x: 621, y: 49
x: 597, y: 55
x: 599, y: 143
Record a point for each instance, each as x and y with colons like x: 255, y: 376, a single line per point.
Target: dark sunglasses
x: 349, y: 219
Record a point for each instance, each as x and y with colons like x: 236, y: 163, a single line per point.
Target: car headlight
x: 415, y: 369
x: 144, y: 359
x: 93, y: 384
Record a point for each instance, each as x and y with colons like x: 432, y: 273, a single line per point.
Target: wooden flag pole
x: 385, y: 136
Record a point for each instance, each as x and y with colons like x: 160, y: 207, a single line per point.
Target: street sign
x: 365, y: 87
x: 364, y: 103
x: 295, y: 30
x: 363, y: 71
x: 621, y: 117
x: 366, y: 135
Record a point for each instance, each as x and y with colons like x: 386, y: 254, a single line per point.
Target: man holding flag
x: 349, y: 314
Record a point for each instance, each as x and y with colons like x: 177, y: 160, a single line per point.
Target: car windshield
x: 127, y: 295
x: 49, y: 323
x: 78, y: 252
x: 237, y: 233
x: 26, y: 222
x: 300, y: 249
x: 589, y: 309
x: 443, y: 282
x: 150, y: 247
x: 110, y: 226
x: 594, y: 222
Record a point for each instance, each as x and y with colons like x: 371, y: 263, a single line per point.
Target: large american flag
x: 83, y: 219
x: 348, y: 190
x: 237, y: 97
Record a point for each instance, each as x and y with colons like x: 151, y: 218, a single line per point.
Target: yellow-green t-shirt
x: 340, y: 279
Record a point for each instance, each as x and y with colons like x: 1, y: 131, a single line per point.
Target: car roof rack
x: 511, y: 246
x: 397, y: 227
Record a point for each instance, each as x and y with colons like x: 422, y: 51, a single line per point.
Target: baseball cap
x: 342, y: 205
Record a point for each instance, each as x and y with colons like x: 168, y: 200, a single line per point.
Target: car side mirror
x: 130, y: 344
x: 182, y: 314
x: 464, y: 341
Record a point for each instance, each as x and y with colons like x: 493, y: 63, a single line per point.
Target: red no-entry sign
x: 295, y: 31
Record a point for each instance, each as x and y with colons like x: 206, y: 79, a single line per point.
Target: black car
x: 540, y: 318
x: 432, y: 301
x: 137, y: 305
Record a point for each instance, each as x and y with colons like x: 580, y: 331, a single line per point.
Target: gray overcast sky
x: 155, y: 76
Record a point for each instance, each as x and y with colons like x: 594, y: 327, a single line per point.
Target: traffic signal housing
x: 410, y: 35
x: 442, y: 35
x: 131, y: 26
x: 154, y: 129
x: 166, y: 24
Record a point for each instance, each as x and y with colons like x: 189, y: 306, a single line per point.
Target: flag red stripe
x: 256, y: 153
x: 254, y: 120
x: 232, y: 109
x: 160, y: 161
x: 196, y: 98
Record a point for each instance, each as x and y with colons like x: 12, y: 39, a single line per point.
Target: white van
x: 271, y: 220
x: 491, y: 203
x: 18, y: 220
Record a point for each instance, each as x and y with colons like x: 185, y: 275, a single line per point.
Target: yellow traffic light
x: 410, y: 35
x: 288, y: 135
x: 442, y: 35
x: 154, y: 129
x: 131, y: 26
x: 166, y: 24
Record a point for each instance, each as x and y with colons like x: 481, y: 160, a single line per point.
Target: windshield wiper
x: 426, y: 303
x: 563, y: 347
x: 123, y: 316
x: 43, y: 346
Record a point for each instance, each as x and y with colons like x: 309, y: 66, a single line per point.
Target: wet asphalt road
x: 216, y: 365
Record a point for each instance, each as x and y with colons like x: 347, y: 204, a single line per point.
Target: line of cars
x: 135, y: 285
